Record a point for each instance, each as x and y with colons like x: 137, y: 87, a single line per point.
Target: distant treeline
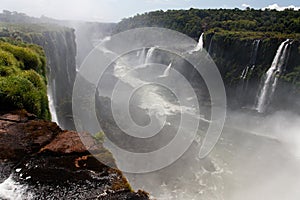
x: 194, y: 21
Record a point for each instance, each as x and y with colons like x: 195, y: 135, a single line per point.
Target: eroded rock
x: 55, y: 164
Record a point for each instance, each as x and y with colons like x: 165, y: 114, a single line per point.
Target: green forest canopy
x: 194, y: 21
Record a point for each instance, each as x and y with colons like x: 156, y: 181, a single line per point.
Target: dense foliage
x: 23, y: 78
x: 194, y: 21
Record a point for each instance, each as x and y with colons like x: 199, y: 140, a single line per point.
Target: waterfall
x: 252, y: 61
x: 142, y: 56
x: 51, y: 102
x: 199, y: 46
x: 245, y: 73
x: 210, y: 45
x: 254, y: 54
x: 167, y: 71
x: 242, y: 89
x: 270, y: 78
x: 149, y: 54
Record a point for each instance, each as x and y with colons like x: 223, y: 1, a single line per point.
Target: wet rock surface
x: 54, y: 164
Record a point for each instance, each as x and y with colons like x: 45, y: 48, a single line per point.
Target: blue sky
x: 115, y: 10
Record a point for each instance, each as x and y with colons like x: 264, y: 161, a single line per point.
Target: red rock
x: 70, y: 142
x: 21, y: 135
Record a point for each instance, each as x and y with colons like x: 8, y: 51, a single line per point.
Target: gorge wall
x: 230, y: 37
x: 60, y: 49
x: 243, y: 63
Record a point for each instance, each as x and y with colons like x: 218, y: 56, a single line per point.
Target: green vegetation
x: 23, y: 77
x: 249, y: 22
x: 293, y: 77
x: 99, y: 137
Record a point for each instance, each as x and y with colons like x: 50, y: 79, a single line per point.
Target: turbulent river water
x: 255, y: 158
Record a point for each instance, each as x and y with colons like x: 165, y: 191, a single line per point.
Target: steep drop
x: 270, y: 79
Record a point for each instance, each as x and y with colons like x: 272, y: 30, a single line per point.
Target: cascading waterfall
x: 199, y: 46
x: 51, y: 102
x: 252, y: 62
x: 167, y: 71
x: 142, y: 56
x: 246, y: 73
x: 270, y: 79
x: 254, y: 53
x: 149, y: 55
x: 210, y: 45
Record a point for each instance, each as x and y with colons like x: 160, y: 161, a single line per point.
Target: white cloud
x: 245, y: 5
x: 277, y: 7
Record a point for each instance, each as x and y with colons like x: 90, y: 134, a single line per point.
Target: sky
x: 115, y: 10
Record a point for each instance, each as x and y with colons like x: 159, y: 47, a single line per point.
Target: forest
x: 194, y: 21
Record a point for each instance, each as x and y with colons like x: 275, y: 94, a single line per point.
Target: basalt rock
x: 55, y: 164
x: 21, y: 134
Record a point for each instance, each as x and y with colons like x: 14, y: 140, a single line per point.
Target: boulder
x: 55, y: 164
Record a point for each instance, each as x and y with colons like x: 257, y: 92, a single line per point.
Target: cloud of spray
x: 265, y: 155
x: 256, y: 158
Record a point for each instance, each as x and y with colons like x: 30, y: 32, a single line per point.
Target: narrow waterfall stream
x: 167, y: 71
x: 247, y: 73
x: 51, y: 102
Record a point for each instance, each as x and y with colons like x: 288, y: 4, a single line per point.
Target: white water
x: 245, y: 73
x: 149, y: 55
x: 199, y: 46
x: 51, y: 103
x: 142, y: 56
x: 167, y: 71
x: 153, y: 98
x: 11, y: 190
x: 248, y: 165
x: 254, y: 54
x: 271, y: 77
x: 210, y: 45
x: 252, y: 61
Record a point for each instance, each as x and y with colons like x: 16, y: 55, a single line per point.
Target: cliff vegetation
x: 23, y: 78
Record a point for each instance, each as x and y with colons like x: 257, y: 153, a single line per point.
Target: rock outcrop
x: 54, y: 163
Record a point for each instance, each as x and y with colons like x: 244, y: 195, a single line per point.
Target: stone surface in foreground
x: 54, y: 164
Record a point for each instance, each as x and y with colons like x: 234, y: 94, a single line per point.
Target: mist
x: 137, y: 87
x: 257, y: 157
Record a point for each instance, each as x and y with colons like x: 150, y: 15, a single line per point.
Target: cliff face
x: 60, y: 49
x: 230, y: 36
x: 88, y: 35
x: 233, y: 55
x: 59, y: 45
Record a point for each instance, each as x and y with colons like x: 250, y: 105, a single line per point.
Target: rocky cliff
x: 39, y: 160
x: 52, y: 163
x: 60, y: 49
x: 233, y: 53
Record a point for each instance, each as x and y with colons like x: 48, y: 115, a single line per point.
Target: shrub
x: 22, y: 78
